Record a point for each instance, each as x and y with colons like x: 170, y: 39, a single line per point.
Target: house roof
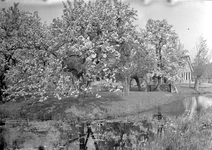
x: 188, y: 59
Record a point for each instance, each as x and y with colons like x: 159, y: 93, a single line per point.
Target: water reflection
x: 121, y: 135
x: 189, y: 106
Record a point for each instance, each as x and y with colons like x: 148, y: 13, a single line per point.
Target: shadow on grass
x: 70, y: 108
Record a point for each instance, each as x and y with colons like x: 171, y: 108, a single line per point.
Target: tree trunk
x: 138, y: 83
x: 146, y: 85
x: 1, y: 92
x: 81, y: 137
x: 1, y: 95
x: 196, y: 84
x: 131, y: 79
x: 198, y: 109
x: 158, y: 84
x: 173, y: 88
x: 2, y: 87
x: 126, y: 86
x: 82, y: 93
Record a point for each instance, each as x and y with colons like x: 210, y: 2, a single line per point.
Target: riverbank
x: 52, y: 121
x: 188, y: 89
x: 108, y: 106
x: 27, y: 135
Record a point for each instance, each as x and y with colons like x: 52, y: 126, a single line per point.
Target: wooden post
x: 170, y: 87
x: 189, y: 79
x: 81, y: 137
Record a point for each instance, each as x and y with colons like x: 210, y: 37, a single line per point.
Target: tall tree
x: 20, y: 35
x: 208, y: 72
x: 126, y: 66
x: 99, y: 31
x: 200, y: 61
x: 37, y: 59
x: 26, y: 48
x: 168, y: 57
x: 144, y: 58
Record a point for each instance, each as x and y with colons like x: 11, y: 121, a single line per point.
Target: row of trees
x: 94, y: 39
x: 201, y: 63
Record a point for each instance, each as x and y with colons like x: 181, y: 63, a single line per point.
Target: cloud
x: 146, y: 2
x: 38, y: 2
x: 54, y: 1
x: 173, y: 2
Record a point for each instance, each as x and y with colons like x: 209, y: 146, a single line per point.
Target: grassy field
x: 109, y: 105
x: 50, y: 123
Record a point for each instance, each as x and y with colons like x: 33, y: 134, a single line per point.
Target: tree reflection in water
x: 113, y: 135
x: 194, y: 105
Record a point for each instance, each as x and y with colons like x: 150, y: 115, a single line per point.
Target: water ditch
x: 105, y: 134
x: 189, y: 106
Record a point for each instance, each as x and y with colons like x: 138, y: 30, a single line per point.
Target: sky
x: 190, y: 18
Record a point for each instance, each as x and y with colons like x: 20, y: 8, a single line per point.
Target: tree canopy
x: 168, y: 52
x: 201, y: 60
x: 90, y: 39
x: 21, y: 39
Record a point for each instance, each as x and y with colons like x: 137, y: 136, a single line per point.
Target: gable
x: 188, y: 66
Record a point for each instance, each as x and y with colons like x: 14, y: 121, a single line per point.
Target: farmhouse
x: 186, y: 72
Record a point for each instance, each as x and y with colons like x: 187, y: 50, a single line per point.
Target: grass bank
x: 179, y: 134
x: 188, y: 89
x: 109, y: 105
x: 40, y: 129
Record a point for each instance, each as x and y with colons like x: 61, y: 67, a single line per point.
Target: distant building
x: 186, y: 72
